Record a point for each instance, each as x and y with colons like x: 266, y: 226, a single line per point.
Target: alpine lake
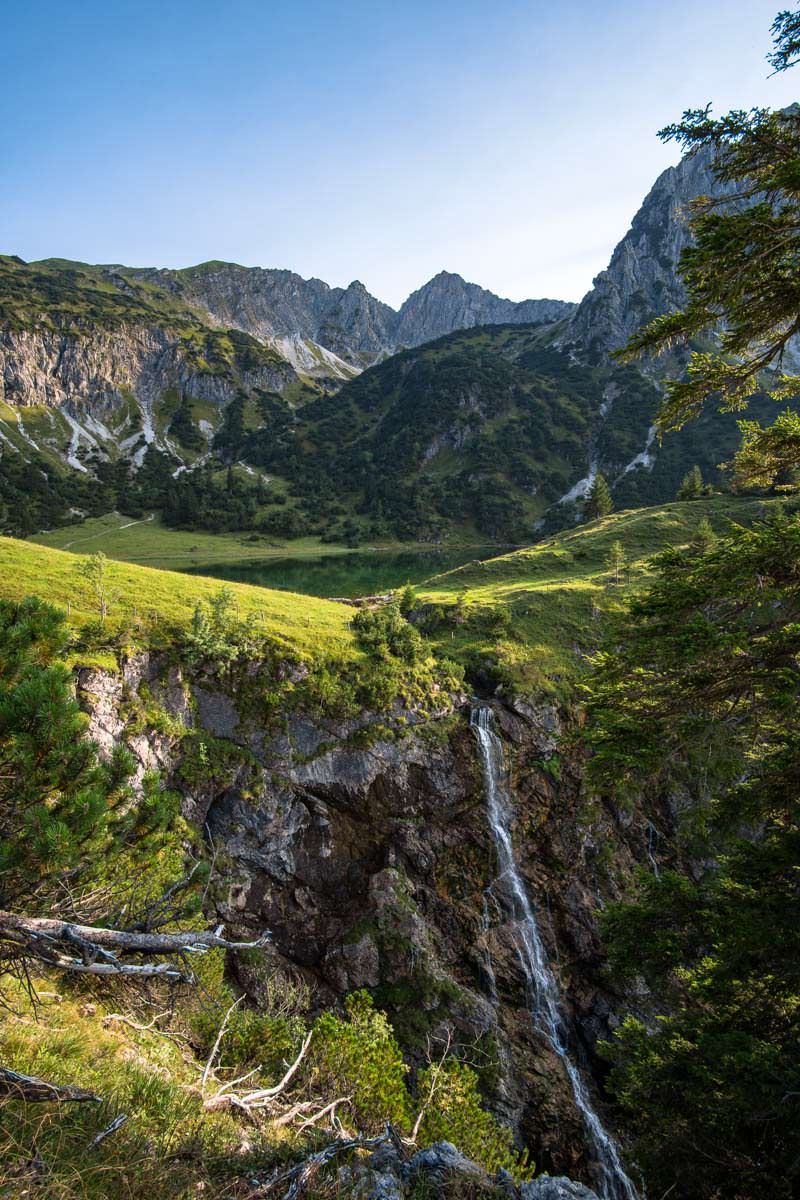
x: 346, y: 576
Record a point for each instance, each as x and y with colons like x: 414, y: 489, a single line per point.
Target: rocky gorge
x: 363, y: 845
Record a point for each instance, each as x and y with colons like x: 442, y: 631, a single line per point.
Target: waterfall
x: 544, y: 997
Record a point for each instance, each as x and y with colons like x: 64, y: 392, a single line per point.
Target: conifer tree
x: 700, y: 696
x: 61, y: 808
x: 57, y: 802
x: 692, y: 486
x: 598, y: 501
x: 183, y: 428
x: 704, y: 537
x: 616, y: 560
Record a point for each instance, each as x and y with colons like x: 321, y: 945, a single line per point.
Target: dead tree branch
x: 218, y: 1042
x: 109, y: 1129
x: 14, y: 1086
x: 258, y: 1097
x: 95, y: 951
x: 436, y: 1072
x: 328, y: 1110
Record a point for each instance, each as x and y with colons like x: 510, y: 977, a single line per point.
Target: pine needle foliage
x: 60, y: 806
x: 699, y: 699
x: 598, y: 501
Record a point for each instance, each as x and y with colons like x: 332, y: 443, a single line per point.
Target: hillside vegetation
x: 529, y: 619
x: 304, y: 623
x: 479, y: 435
x: 149, y: 541
x: 521, y: 621
x: 534, y: 612
x: 76, y: 298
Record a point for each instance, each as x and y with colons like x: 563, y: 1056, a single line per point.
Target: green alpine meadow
x: 399, y: 751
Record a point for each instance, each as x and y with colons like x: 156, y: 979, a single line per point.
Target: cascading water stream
x: 545, y: 1004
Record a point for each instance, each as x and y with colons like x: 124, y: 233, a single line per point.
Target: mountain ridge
x: 642, y: 280
x: 371, y: 421
x: 272, y: 303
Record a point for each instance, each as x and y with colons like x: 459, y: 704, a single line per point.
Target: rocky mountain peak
x: 642, y: 281
x: 447, y: 302
x: 350, y: 322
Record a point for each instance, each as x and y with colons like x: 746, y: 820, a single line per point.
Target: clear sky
x: 508, y: 140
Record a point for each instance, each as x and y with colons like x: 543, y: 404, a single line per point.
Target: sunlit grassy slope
x: 526, y: 619
x: 536, y: 613
x: 103, y: 1039
x: 309, y: 625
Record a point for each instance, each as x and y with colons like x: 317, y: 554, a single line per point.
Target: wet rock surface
x: 370, y: 860
x: 442, y: 1172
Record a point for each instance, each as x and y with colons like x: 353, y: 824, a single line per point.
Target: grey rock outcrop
x: 642, y: 280
x: 353, y: 324
x: 558, y: 1187
x: 447, y: 302
x: 441, y: 1170
x: 439, y: 1163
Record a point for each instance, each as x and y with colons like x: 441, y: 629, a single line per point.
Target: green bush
x: 216, y: 634
x: 456, y: 1115
x: 385, y: 633
x: 357, y: 1056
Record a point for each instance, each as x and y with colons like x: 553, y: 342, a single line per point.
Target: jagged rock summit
x: 642, y: 280
x: 447, y: 302
x: 349, y: 322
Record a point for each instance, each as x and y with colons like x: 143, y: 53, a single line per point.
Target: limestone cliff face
x: 447, y: 302
x: 104, y: 386
x: 642, y: 281
x: 281, y: 304
x: 348, y: 321
x: 48, y: 367
x: 364, y: 846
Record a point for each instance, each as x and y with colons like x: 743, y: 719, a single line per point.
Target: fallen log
x: 95, y: 951
x: 15, y: 1086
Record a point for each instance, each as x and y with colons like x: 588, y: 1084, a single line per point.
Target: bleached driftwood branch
x: 15, y: 1086
x: 212, y: 1058
x: 96, y: 951
x: 256, y: 1098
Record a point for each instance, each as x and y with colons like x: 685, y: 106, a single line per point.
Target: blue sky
x: 509, y: 141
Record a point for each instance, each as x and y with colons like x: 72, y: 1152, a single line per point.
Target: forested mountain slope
x: 227, y: 398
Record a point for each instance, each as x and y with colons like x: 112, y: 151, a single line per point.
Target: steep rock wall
x: 54, y: 368
x: 363, y: 845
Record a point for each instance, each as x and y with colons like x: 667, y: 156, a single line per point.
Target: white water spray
x: 545, y: 1006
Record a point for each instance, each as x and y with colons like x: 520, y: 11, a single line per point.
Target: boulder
x: 440, y: 1162
x: 555, y: 1187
